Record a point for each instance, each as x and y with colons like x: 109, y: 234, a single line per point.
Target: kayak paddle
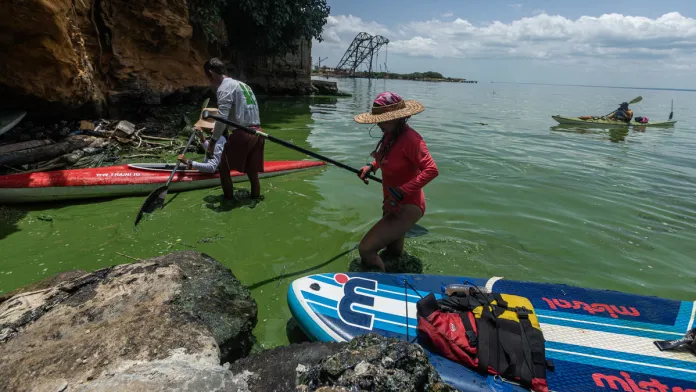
x: 156, y: 198
x: 635, y: 100
x: 671, y: 112
x: 416, y: 231
x: 631, y: 102
x: 207, y: 115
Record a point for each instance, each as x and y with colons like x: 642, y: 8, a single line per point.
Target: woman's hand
x: 364, y: 172
x: 392, y: 203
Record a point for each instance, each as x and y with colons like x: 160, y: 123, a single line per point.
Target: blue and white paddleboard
x: 598, y: 340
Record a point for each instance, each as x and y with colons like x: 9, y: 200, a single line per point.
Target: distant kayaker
x: 406, y: 166
x: 242, y: 152
x: 623, y: 113
x: 210, y: 163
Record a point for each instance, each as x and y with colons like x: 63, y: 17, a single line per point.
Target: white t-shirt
x: 238, y: 103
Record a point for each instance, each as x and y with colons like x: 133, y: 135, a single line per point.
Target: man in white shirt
x: 243, y: 152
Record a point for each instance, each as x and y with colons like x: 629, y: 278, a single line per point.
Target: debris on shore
x: 33, y: 146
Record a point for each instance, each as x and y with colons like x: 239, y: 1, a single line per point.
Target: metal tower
x: 361, y: 50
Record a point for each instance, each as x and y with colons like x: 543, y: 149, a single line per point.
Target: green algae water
x: 517, y: 196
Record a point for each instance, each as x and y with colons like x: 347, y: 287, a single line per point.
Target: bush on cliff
x: 262, y: 27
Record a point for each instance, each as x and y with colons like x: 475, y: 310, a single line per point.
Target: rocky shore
x: 180, y: 321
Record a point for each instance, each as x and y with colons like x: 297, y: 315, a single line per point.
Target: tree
x: 261, y: 27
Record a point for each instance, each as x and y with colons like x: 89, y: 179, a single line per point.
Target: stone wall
x: 289, y: 74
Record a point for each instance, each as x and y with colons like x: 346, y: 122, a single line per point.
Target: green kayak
x: 606, y: 122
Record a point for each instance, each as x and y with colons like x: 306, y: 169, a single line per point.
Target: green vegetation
x: 412, y: 76
x: 260, y: 27
x: 207, y: 15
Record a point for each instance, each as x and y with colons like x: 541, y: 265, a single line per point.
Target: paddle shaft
x: 671, y: 111
x: 178, y: 162
x: 288, y: 145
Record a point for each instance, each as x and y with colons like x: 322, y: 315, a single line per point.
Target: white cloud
x: 516, y: 5
x: 551, y: 36
x: 607, y: 42
x: 448, y: 14
x: 341, y: 29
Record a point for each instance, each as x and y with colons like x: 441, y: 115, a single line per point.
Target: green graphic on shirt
x: 248, y: 94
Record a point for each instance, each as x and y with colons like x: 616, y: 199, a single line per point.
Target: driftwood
x: 142, y: 156
x: 157, y: 138
x: 8, y: 148
x: 44, y: 153
x: 54, y: 166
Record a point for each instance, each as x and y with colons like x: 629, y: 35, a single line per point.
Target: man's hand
x: 181, y: 158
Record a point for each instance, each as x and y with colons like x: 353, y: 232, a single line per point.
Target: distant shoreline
x: 597, y: 86
x: 416, y: 76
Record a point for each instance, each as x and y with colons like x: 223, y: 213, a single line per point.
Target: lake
x: 517, y: 196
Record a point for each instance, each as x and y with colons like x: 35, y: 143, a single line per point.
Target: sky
x: 649, y: 43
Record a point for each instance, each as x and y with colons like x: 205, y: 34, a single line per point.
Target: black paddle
x: 415, y: 232
x: 671, y: 112
x: 207, y: 115
x: 156, y: 198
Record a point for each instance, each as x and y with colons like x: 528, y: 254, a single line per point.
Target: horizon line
x: 595, y: 86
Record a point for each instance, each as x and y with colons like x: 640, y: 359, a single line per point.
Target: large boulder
x: 168, y: 322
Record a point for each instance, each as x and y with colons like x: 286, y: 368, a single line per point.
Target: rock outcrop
x: 81, y: 56
x: 373, y: 363
x: 73, y: 58
x: 168, y: 322
x: 276, y: 369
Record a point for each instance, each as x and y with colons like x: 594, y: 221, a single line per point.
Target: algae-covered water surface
x: 516, y: 197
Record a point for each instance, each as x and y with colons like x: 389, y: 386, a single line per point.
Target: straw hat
x: 207, y: 123
x: 389, y: 106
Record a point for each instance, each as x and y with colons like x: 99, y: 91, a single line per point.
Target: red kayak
x: 123, y: 180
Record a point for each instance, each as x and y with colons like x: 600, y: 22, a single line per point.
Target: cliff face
x: 44, y: 55
x: 72, y: 57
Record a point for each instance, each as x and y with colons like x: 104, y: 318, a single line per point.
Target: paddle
x: 671, y: 112
x: 635, y: 100
x: 631, y: 102
x: 417, y: 230
x: 207, y: 115
x: 156, y: 198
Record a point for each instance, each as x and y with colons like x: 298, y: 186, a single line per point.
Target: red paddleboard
x: 122, y: 180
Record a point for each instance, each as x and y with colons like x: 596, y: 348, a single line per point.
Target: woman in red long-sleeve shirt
x: 406, y: 168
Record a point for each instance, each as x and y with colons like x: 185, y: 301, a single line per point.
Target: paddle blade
x: 154, y: 200
x: 635, y: 100
x: 671, y: 112
x: 417, y: 231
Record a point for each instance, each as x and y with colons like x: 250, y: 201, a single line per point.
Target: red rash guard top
x: 407, y: 165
